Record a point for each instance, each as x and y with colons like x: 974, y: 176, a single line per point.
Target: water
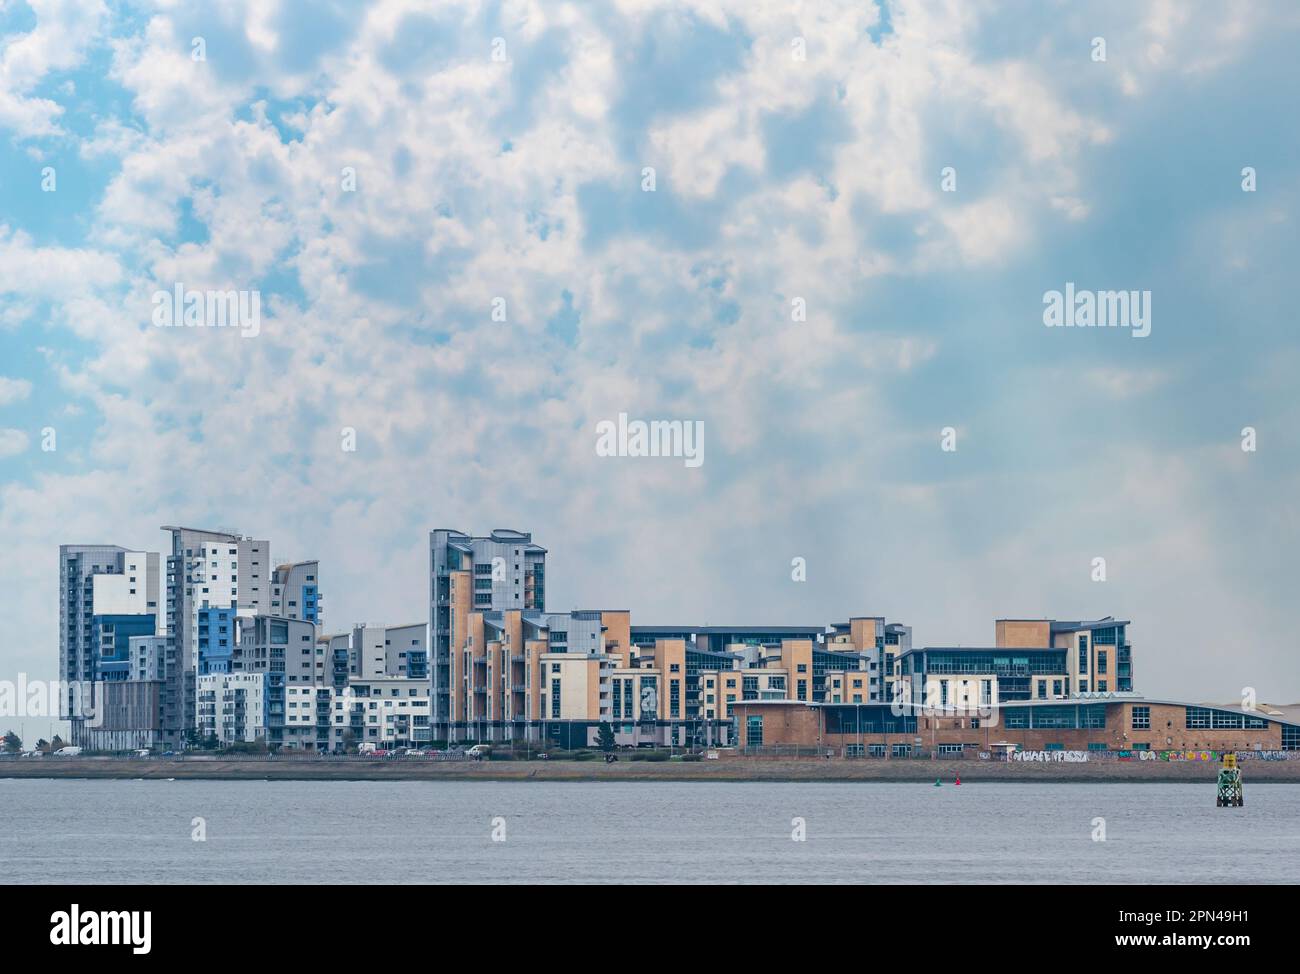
x: 82, y: 831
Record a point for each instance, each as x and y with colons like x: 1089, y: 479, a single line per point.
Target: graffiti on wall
x: 1069, y: 757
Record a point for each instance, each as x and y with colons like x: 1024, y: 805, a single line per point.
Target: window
x: 1141, y: 718
x: 902, y: 750
x: 1101, y: 661
x: 555, y: 699
x: 754, y: 730
x: 1290, y: 737
x: 1198, y: 718
x: 803, y: 690
x: 950, y: 750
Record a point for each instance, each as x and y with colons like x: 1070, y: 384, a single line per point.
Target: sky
x: 447, y: 214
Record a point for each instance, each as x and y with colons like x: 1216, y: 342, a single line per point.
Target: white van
x: 68, y: 752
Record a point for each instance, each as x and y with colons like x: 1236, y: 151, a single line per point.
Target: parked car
x: 33, y: 754
x: 479, y: 751
x: 68, y: 752
x: 414, y: 752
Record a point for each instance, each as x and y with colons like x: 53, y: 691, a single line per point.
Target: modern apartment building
x: 375, y: 650
x: 388, y: 712
x: 1099, y: 658
x: 232, y: 707
x: 284, y: 652
x: 501, y: 572
x: 147, y: 655
x: 507, y: 670
x: 973, y: 677
x: 107, y: 595
x: 296, y: 594
x: 206, y: 570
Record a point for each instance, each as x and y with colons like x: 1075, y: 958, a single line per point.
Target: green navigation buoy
x: 937, y: 782
x: 1229, y: 784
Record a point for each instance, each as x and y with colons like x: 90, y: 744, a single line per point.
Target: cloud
x: 12, y: 442
x: 13, y: 390
x: 64, y: 31
x: 476, y: 179
x: 51, y: 272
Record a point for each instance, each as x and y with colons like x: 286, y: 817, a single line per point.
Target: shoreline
x: 729, y: 770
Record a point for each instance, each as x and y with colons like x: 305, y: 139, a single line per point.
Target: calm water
x: 68, y: 831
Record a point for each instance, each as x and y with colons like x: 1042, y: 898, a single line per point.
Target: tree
x: 349, y: 741
x: 605, y: 737
x: 12, y: 743
x: 57, y: 743
x: 43, y: 745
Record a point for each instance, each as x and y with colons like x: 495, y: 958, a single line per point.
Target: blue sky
x: 775, y: 178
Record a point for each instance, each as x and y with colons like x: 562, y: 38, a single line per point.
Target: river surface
x: 100, y: 831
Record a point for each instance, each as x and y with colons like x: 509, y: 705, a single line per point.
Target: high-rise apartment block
x: 504, y: 571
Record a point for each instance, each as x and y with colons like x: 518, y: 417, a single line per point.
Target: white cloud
x: 13, y: 390
x: 52, y: 272
x: 63, y: 32
x: 12, y: 442
x: 684, y: 312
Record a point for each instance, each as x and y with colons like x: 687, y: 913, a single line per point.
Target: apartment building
x: 388, y: 712
x: 233, y: 707
x: 284, y: 652
x: 107, y: 595
x: 503, y: 571
x: 308, y: 716
x: 296, y: 594
x: 511, y: 663
x: 881, y: 642
x: 972, y: 676
x: 1099, y: 657
x: 147, y: 654
x: 206, y: 571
